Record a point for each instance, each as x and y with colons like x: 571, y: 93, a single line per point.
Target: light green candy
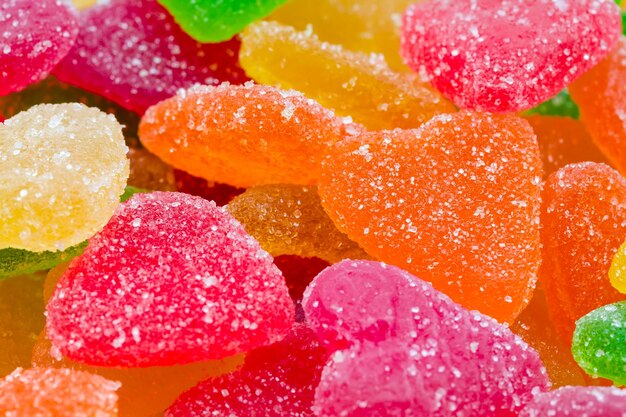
x: 559, y: 105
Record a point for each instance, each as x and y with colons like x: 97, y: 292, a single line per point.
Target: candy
x: 277, y: 380
x: 598, y: 343
x: 412, y: 351
x: 339, y: 79
x: 290, y: 220
x: 84, y: 4
x: 617, y: 272
x: 57, y: 392
x: 578, y: 402
x: 242, y: 135
x: 455, y: 202
x: 65, y: 167
x: 35, y: 37
x: 583, y: 223
x: 559, y: 105
x: 298, y: 273
x: 216, y: 21
x: 507, y: 56
x: 149, y: 172
x: 146, y: 57
x: 171, y: 279
x: 209, y: 190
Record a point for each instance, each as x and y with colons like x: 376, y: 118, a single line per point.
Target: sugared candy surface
x: 578, y: 402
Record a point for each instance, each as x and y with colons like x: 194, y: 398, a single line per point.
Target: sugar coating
x: 62, y: 170
x: 171, y: 279
x: 504, y: 56
x: 242, y: 135
x: 578, y: 402
x: 583, y: 224
x: 146, y: 57
x: 455, y: 202
x: 36, y: 35
x: 275, y: 381
x: 598, y: 343
x: 147, y: 171
x: 216, y: 21
x: 57, y: 392
x: 209, y: 190
x: 339, y: 79
x: 617, y: 272
x: 290, y: 220
x: 411, y: 350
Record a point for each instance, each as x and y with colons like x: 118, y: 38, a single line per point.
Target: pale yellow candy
x: 63, y: 168
x: 84, y: 4
x: 617, y: 272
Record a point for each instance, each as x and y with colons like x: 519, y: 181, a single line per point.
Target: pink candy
x: 578, y: 402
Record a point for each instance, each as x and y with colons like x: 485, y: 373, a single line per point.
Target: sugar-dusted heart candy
x: 411, y: 350
x: 455, y: 202
x: 36, y: 35
x: 578, y: 402
x: 505, y: 56
x: 171, y: 279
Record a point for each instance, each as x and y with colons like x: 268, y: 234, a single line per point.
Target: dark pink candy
x: 133, y: 52
x: 171, y: 279
x: 578, y: 402
x: 34, y: 36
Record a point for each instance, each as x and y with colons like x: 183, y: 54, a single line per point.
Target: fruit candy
x: 617, y: 272
x: 216, y: 21
x: 455, y: 202
x: 65, y: 167
x: 209, y: 190
x: 559, y: 105
x: 242, y: 135
x: 298, y: 273
x: 598, y: 343
x: 57, y: 392
x: 290, y: 220
x: 411, y: 350
x: 146, y: 57
x: 277, y: 380
x: 147, y: 171
x: 583, y: 223
x: 171, y: 279
x: 35, y: 37
x: 507, y: 56
x: 353, y: 84
x: 83, y: 4
x: 578, y: 402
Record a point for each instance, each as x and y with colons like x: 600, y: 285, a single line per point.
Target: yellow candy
x: 352, y: 83
x: 84, y: 4
x: 62, y: 170
x: 617, y: 272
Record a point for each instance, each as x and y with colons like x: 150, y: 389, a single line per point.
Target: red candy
x: 171, y: 279
x: 578, y: 402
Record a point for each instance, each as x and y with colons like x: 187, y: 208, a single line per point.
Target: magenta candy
x: 505, y: 56
x: 578, y: 402
x: 411, y: 351
x: 133, y: 53
x: 171, y: 279
x: 36, y: 35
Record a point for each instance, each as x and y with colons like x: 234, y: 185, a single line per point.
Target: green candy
x: 624, y: 23
x: 218, y: 20
x: 599, y: 344
x: 559, y: 105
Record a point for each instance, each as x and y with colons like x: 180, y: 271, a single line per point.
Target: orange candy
x: 455, y: 202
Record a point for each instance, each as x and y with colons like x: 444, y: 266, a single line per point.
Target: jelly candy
x: 147, y: 171
x: 84, y: 4
x: 583, y: 223
x: 57, y: 392
x: 477, y: 53
x: 298, y: 273
x: 455, y: 202
x: 242, y: 135
x: 411, y: 350
x: 67, y: 167
x: 617, y: 272
x: 35, y: 37
x: 277, y: 380
x: 171, y: 279
x: 598, y: 343
x: 146, y: 57
x: 216, y: 21
x: 578, y: 402
x: 338, y: 79
x: 209, y: 190
x: 290, y: 220
x: 559, y: 105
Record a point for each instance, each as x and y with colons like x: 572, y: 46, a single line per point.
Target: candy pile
x: 312, y: 208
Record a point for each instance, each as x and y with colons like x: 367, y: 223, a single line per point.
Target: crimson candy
x: 578, y: 402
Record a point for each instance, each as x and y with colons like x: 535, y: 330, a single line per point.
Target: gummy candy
x: 578, y: 402
x: 83, y: 4
x: 298, y: 273
x: 290, y: 220
x: 583, y: 223
x: 57, y: 392
x: 242, y: 135
x: 411, y: 350
x: 353, y: 84
x: 617, y: 272
x: 277, y: 380
x: 36, y: 35
x: 507, y: 56
x: 216, y: 21
x: 559, y: 105
x: 455, y: 202
x: 147, y: 171
x: 598, y: 343
x: 171, y: 279
x: 222, y: 194
x: 65, y: 167
x: 146, y: 57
